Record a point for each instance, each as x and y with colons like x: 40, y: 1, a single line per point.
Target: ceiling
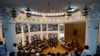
x: 39, y: 5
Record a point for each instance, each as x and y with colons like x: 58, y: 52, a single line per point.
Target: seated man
x: 86, y: 51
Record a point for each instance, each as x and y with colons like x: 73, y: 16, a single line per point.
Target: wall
x: 76, y: 31
x: 1, y: 36
x: 99, y: 34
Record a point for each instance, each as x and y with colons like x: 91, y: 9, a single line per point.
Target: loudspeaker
x: 75, y: 32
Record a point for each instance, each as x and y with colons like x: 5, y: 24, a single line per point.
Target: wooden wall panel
x: 99, y: 34
x: 80, y: 35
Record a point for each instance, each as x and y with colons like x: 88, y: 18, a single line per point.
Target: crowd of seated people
x: 71, y: 45
x: 85, y: 52
x: 53, y: 41
x: 63, y: 54
x: 36, y: 45
x: 27, y: 51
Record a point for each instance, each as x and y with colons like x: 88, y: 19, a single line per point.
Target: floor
x: 59, y: 48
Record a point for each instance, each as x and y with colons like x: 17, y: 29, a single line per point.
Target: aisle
x: 58, y: 48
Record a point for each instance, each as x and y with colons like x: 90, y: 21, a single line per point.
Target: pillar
x: 92, y: 28
x: 41, y: 34
x: 23, y: 35
x: 59, y: 31
x: 8, y: 25
x: 47, y: 32
x: 91, y: 35
x: 29, y: 37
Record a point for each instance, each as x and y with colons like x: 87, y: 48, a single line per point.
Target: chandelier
x: 28, y: 12
x: 85, y: 11
x: 13, y: 13
x: 69, y: 10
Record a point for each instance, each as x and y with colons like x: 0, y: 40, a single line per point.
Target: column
x: 41, y: 34
x: 64, y: 31
x: 91, y: 35
x: 92, y: 28
x: 59, y: 31
x: 29, y: 37
x: 8, y: 25
x: 23, y: 36
x: 47, y: 31
x: 9, y: 34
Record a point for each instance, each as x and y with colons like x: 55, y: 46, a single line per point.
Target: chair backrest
x: 96, y: 54
x: 88, y: 55
x: 12, y: 54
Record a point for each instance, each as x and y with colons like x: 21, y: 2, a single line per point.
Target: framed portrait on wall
x: 35, y: 27
x: 31, y: 27
x: 44, y: 27
x: 61, y: 27
x: 18, y: 28
x: 52, y: 27
x: 25, y: 27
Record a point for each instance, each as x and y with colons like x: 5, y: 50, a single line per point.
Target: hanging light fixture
x: 28, y: 12
x: 85, y: 11
x: 69, y: 10
x: 13, y: 13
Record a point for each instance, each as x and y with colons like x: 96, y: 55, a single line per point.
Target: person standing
x: 86, y: 51
x: 15, y: 49
x: 2, y: 49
